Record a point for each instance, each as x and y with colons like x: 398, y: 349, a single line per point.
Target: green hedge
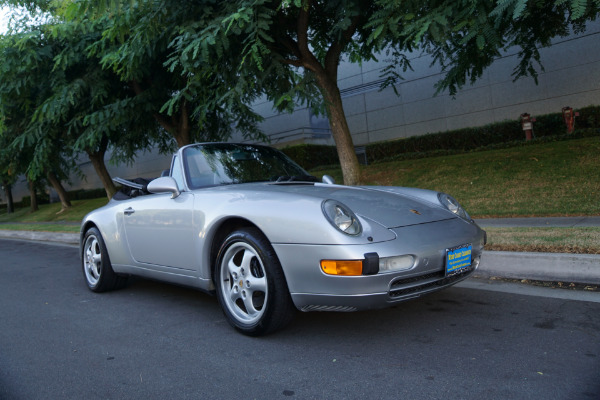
x: 483, y: 137
x: 84, y: 194
x: 42, y: 198
x: 80, y: 194
x: 497, y: 135
x: 310, y: 156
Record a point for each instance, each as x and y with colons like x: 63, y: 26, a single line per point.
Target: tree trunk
x: 179, y: 126
x: 10, y: 205
x: 343, y: 142
x: 326, y: 77
x: 33, y: 195
x: 97, y: 159
x: 60, y: 190
x: 340, y: 130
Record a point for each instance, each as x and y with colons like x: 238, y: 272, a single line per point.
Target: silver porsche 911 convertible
x: 247, y: 223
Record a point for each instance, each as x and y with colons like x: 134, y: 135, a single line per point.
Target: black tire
x: 97, y: 269
x: 251, y: 286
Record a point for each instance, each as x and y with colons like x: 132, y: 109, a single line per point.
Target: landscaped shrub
x: 42, y: 198
x: 309, y: 156
x: 589, y: 117
x: 497, y: 135
x: 84, y: 194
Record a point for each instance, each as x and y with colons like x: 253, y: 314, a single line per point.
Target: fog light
x: 342, y: 267
x: 399, y: 263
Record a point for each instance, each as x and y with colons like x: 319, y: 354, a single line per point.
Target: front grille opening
x: 430, y: 282
x: 316, y: 307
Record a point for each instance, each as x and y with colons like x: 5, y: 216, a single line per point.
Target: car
x: 247, y: 224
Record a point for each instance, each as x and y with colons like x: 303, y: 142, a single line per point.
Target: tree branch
x: 302, y: 28
x: 307, y: 58
x: 164, y: 122
x: 137, y: 88
x: 332, y: 58
x: 290, y: 45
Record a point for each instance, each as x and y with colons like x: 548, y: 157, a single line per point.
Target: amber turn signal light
x: 342, y: 267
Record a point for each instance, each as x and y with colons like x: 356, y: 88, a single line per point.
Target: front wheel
x: 97, y: 269
x: 251, y: 287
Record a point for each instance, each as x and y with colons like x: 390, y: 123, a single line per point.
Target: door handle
x: 129, y: 211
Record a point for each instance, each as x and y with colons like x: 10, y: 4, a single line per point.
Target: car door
x: 160, y: 231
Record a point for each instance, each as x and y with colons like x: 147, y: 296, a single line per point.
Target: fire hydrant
x: 569, y: 118
x: 527, y: 125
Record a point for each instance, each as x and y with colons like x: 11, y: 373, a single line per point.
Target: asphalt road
x: 155, y: 341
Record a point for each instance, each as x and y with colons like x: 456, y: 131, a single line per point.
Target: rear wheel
x: 97, y: 269
x: 251, y: 287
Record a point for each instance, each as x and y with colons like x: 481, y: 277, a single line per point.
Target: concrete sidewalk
x: 50, y: 237
x: 578, y: 268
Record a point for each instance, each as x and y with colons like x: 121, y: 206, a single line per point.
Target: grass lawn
x: 551, y: 240
x: 51, y: 212
x: 41, y: 227
x: 548, y: 179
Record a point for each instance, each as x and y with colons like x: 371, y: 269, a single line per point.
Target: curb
x: 561, y: 267
x: 52, y: 237
x: 557, y: 267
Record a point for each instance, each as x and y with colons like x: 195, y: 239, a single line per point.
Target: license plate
x: 458, y: 258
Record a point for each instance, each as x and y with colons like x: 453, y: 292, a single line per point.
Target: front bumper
x: 313, y: 290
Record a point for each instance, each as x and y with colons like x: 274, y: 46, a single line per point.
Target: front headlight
x: 341, y: 217
x: 452, y: 204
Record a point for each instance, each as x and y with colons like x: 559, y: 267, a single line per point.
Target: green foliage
x: 135, y: 41
x: 86, y: 194
x: 464, y: 37
x: 25, y: 80
x: 42, y: 198
x: 102, y: 73
x: 506, y: 134
x: 496, y: 135
x: 310, y: 156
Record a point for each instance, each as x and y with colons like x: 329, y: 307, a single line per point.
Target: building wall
x: 571, y: 77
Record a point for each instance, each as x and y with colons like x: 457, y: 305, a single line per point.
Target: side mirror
x: 165, y: 184
x: 328, y: 180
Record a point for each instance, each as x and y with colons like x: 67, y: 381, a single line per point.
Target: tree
x: 134, y: 44
x: 10, y: 205
x: 90, y: 108
x: 465, y: 37
x: 26, y: 77
x: 268, y: 44
x: 7, y: 174
x: 198, y: 66
x: 12, y: 163
x: 64, y: 103
x: 291, y: 49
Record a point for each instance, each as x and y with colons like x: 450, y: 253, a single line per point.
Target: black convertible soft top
x: 131, y: 188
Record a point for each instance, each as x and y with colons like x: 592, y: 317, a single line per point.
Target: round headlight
x: 452, y: 204
x: 341, y: 217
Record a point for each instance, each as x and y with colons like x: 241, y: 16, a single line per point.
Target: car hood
x: 389, y: 209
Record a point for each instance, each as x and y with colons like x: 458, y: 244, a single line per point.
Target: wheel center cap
x: 241, y: 283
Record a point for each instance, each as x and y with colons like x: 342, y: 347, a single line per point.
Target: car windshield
x: 227, y: 163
